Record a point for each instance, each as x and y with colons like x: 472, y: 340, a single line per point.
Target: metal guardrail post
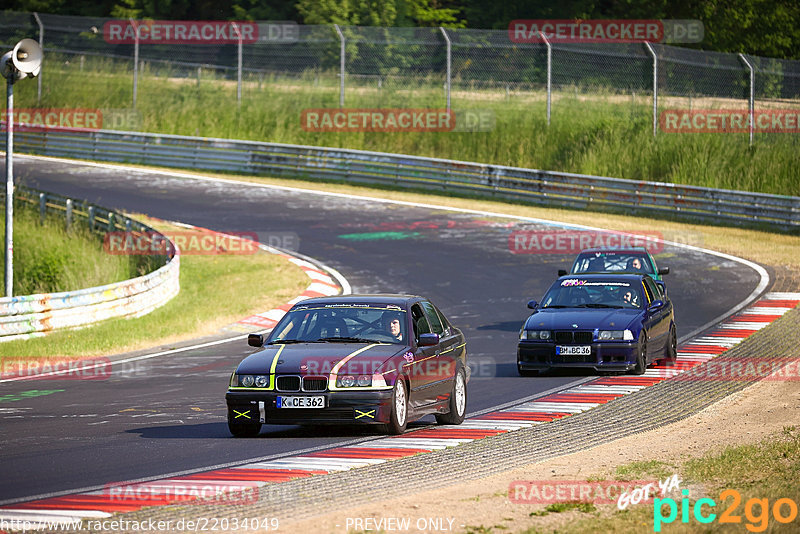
x: 68, y: 214
x: 341, y: 64
x: 549, y: 73
x: 135, y: 59
x: 41, y: 45
x: 449, y: 65
x: 655, y: 87
x: 752, y: 99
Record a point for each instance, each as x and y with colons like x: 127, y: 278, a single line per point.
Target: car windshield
x: 342, y: 323
x: 582, y: 293
x: 609, y: 262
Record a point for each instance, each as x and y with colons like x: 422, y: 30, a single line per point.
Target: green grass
x: 600, y: 133
x: 767, y: 470
x: 215, y: 291
x: 49, y: 259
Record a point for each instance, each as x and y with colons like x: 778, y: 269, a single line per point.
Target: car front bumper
x: 341, y: 407
x: 611, y: 356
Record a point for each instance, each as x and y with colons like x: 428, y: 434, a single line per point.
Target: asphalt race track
x: 167, y: 414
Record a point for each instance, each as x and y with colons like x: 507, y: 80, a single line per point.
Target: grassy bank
x: 215, y: 291
x: 50, y: 259
x: 766, y: 472
x: 602, y: 134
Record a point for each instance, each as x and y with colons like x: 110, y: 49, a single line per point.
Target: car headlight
x: 350, y: 381
x: 346, y: 381
x: 262, y: 381
x: 535, y: 334
x: 615, y: 335
x: 247, y: 381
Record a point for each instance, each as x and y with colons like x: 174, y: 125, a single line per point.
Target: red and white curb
x: 101, y: 504
x: 322, y: 285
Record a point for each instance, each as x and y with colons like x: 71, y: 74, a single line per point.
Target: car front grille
x: 288, y: 383
x: 315, y: 383
x: 569, y: 337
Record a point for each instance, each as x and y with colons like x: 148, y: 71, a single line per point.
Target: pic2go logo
x: 756, y: 511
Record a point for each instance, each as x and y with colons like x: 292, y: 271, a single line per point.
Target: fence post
x: 752, y: 105
x: 449, y: 64
x: 68, y: 216
x: 549, y: 74
x: 135, y: 59
x: 239, y: 63
x: 41, y: 45
x: 341, y: 65
x: 655, y: 87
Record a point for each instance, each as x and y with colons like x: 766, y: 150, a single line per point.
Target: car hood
x: 321, y: 358
x: 585, y: 318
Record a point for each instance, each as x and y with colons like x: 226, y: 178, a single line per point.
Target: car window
x: 597, y: 262
x: 650, y: 295
x: 419, y: 321
x: 433, y: 318
x: 368, y: 322
x: 580, y: 293
x: 655, y: 291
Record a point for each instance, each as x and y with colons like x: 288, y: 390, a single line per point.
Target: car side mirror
x: 662, y: 286
x: 663, y: 270
x: 255, y: 340
x: 562, y: 272
x: 428, y: 340
x: 656, y: 305
x: 532, y: 304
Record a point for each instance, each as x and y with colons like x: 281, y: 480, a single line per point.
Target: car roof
x: 379, y: 298
x: 627, y: 250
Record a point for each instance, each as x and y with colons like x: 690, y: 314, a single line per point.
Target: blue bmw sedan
x: 605, y: 322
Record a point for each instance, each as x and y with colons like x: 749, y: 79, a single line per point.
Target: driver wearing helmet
x: 392, y: 324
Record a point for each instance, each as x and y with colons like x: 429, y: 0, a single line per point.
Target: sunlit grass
x: 600, y: 134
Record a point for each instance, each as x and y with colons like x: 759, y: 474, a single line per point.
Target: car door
x: 421, y: 370
x: 444, y: 373
x: 659, y: 319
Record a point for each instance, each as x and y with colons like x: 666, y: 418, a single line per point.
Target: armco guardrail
x: 33, y: 315
x: 529, y: 185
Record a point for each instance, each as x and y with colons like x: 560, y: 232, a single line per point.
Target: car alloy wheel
x: 458, y: 402
x: 641, y: 358
x: 398, y: 417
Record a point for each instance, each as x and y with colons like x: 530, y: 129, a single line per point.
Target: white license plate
x: 574, y: 350
x: 301, y: 402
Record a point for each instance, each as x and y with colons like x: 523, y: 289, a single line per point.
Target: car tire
x: 671, y: 350
x: 240, y: 430
x: 641, y: 357
x: 458, y: 401
x: 398, y: 411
